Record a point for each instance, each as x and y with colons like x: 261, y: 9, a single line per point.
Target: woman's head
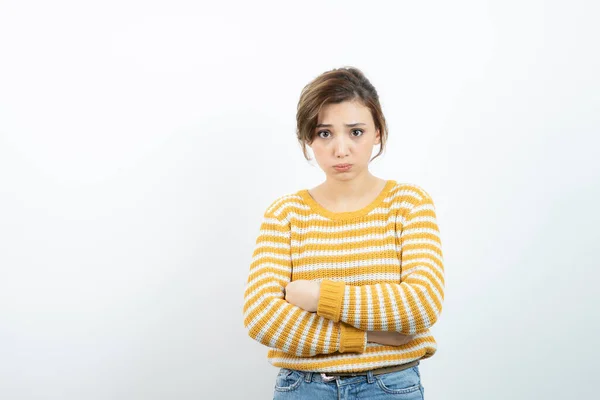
x: 340, y: 118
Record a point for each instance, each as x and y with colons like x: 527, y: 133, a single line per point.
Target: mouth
x: 342, y: 167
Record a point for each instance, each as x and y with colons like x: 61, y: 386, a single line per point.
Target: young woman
x: 346, y: 278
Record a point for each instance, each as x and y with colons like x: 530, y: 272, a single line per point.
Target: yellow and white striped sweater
x: 380, y: 269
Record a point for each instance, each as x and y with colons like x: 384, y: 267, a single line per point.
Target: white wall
x: 140, y: 143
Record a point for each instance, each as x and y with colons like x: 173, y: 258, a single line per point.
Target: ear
x: 377, y: 137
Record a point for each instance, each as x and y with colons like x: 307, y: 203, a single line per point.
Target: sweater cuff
x: 330, y: 299
x: 352, y: 339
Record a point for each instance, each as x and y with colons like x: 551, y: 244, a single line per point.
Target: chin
x: 345, y: 176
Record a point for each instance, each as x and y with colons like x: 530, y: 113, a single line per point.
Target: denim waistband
x: 354, y: 377
x: 319, y: 377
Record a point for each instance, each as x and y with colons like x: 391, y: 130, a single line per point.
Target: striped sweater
x: 380, y: 269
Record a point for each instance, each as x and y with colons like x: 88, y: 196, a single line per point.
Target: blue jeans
x: 293, y: 384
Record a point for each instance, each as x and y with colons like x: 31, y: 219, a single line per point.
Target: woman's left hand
x: 304, y: 294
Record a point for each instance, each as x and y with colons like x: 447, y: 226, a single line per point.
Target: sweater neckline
x: 319, y: 209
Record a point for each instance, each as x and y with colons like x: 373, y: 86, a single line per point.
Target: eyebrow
x: 348, y: 125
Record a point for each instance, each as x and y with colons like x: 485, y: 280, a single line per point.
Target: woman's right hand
x: 388, y: 338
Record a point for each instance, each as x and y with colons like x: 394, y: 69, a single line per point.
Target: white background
x: 140, y: 143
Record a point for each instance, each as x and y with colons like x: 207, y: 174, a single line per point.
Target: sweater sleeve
x: 411, y: 306
x: 270, y: 319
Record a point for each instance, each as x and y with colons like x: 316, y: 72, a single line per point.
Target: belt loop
x: 307, y: 376
x: 370, y: 377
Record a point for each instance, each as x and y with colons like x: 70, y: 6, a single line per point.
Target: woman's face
x: 345, y: 134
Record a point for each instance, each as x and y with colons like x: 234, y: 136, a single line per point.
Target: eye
x: 354, y: 130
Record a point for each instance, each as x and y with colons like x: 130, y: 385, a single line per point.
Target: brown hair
x: 336, y: 86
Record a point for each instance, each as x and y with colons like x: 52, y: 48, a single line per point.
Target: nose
x: 341, y: 148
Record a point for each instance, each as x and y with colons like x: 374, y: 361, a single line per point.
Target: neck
x: 338, y: 190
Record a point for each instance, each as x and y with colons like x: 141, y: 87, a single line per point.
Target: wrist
x: 316, y: 296
x: 371, y: 336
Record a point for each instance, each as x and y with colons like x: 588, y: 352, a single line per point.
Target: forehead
x: 346, y: 112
